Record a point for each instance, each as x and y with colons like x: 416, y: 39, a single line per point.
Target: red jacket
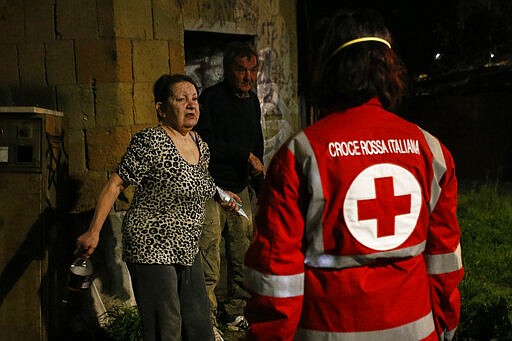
x: 356, y: 234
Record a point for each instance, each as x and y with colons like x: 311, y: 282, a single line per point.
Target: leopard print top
x: 163, y: 223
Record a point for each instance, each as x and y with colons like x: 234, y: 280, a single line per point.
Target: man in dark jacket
x: 230, y: 124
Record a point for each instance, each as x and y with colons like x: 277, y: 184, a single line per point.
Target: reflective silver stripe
x: 439, y: 166
x: 300, y: 147
x: 448, y: 335
x: 444, y: 263
x: 339, y: 262
x: 412, y: 331
x: 273, y: 285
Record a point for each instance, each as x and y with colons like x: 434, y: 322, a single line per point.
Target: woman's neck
x: 184, y: 142
x: 179, y: 133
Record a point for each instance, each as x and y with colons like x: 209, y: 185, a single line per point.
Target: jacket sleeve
x: 275, y: 259
x: 443, y: 251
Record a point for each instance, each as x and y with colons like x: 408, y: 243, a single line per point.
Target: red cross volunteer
x: 370, y: 253
x: 356, y: 237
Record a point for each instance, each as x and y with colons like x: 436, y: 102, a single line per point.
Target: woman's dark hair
x: 237, y: 49
x: 163, y: 85
x: 358, y: 72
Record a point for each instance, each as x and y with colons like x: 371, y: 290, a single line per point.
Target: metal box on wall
x: 30, y: 154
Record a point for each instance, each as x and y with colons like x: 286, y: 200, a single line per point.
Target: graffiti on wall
x: 224, y: 16
x: 275, y: 113
x: 260, y: 22
x: 205, y: 70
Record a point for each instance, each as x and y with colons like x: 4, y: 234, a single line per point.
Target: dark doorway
x: 203, y: 55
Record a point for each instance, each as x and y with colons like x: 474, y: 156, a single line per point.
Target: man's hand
x: 232, y: 205
x: 256, y: 165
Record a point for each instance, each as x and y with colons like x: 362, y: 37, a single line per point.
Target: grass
x: 485, y: 217
x: 122, y: 323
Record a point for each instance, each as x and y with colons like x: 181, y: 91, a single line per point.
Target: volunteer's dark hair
x: 358, y: 72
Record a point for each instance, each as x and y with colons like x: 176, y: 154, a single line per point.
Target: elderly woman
x: 161, y: 229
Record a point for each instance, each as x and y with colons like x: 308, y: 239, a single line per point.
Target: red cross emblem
x: 382, y: 206
x: 385, y: 207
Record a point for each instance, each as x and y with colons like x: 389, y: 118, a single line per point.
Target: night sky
x: 465, y: 95
x: 467, y: 34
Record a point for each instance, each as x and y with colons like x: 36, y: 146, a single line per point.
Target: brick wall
x: 96, y: 61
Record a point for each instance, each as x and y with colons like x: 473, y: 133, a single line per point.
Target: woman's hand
x: 87, y: 243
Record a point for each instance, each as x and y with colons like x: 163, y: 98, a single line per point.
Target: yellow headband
x: 359, y: 40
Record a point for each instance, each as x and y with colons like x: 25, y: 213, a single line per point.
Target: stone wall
x: 97, y: 60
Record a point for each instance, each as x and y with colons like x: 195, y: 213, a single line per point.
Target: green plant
x: 122, y: 323
x: 485, y: 217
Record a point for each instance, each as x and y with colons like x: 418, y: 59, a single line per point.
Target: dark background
x: 464, y: 95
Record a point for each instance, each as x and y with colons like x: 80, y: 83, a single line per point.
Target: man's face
x: 242, y: 74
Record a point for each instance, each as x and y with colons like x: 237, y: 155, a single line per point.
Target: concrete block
x: 113, y: 280
x: 19, y: 216
x: 123, y: 48
x: 219, y: 16
x: 77, y: 19
x: 39, y: 21
x: 74, y: 142
x: 246, y: 13
x: 105, y: 19
x: 53, y: 126
x: 9, y: 66
x: 114, y: 104
x: 5, y: 95
x: 105, y: 147
x: 32, y: 68
x: 60, y: 62
x: 133, y: 19
x: 144, y: 104
x: 39, y: 96
x: 91, y: 184
x: 177, y: 57
x: 12, y: 25
x: 190, y: 11
x: 20, y: 312
x: 150, y: 59
x: 168, y: 19
x: 76, y: 101
x: 22, y: 183
x: 103, y: 60
x: 138, y: 127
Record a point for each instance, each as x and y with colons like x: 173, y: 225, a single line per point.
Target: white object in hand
x: 227, y: 198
